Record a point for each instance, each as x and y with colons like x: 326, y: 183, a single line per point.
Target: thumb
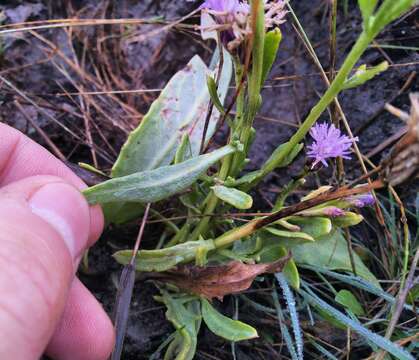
x: 44, y: 227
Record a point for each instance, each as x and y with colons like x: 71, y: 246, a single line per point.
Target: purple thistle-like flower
x: 328, y: 143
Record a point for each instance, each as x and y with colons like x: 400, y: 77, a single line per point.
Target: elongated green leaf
x: 362, y: 75
x: 272, y: 40
x: 225, y: 327
x: 155, y: 185
x: 185, y: 322
x: 289, y: 234
x: 331, y: 252
x: 167, y: 258
x: 290, y: 300
x: 348, y: 300
x: 234, y: 197
x: 359, y: 283
x: 388, y: 11
x: 378, y: 340
x: 180, y: 108
x: 252, y: 178
x: 184, y: 151
x: 212, y: 88
x: 273, y: 163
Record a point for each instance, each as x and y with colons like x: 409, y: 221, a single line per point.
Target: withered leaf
x: 403, y: 162
x: 219, y: 280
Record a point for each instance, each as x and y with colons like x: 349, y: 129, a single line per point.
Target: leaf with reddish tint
x: 220, y: 280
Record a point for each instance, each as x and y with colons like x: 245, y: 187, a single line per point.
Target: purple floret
x: 360, y: 201
x: 328, y: 143
x: 333, y: 211
x: 225, y: 6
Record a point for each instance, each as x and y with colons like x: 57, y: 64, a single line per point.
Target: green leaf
x: 121, y: 212
x: 367, y: 8
x: 362, y: 75
x: 293, y: 313
x: 273, y: 163
x: 349, y: 219
x: 348, y: 300
x: 225, y: 327
x: 154, y: 185
x: 185, y: 322
x: 331, y: 252
x: 180, y: 108
x: 314, y: 226
x: 167, y: 258
x: 272, y: 253
x: 272, y: 40
x: 247, y: 246
x: 389, y: 10
x: 212, y: 88
x: 234, y: 197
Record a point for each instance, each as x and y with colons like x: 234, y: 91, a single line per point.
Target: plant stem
x: 251, y: 227
x: 232, y: 163
x: 334, y: 90
x: 212, y: 202
x: 255, y: 81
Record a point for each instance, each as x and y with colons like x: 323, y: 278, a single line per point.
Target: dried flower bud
x: 333, y: 211
x: 361, y: 201
x: 233, y: 21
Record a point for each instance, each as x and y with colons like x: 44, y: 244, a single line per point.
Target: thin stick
x: 124, y: 294
x: 140, y: 233
x: 400, y: 302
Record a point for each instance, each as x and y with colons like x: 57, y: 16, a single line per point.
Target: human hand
x: 45, y: 226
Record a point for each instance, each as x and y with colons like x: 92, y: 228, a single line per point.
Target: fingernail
x: 66, y: 210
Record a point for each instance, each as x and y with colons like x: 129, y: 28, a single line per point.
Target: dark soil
x: 294, y: 87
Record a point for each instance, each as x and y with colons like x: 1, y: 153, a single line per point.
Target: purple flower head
x: 225, y: 6
x: 328, y: 143
x: 361, y: 201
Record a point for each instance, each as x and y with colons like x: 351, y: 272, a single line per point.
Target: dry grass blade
x: 64, y: 23
x: 57, y: 152
x: 400, y: 302
x: 124, y: 295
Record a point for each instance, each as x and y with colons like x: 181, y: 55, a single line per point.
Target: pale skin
x: 45, y: 226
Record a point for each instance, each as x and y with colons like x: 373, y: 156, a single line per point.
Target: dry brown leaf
x: 220, y: 280
x: 403, y: 163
